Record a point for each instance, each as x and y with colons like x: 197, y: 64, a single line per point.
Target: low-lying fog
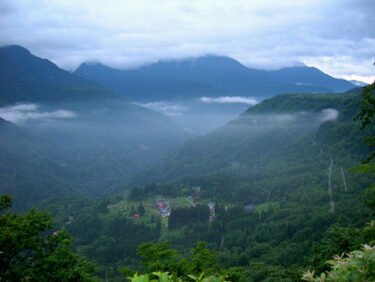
x: 101, y: 147
x: 96, y: 147
x: 201, y: 116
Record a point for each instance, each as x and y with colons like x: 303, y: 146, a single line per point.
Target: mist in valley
x: 249, y: 143
x: 95, y: 147
x: 202, y: 115
x: 102, y: 147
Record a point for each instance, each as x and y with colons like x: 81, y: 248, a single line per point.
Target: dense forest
x: 297, y: 196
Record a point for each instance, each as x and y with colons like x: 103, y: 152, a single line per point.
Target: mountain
x: 27, y: 78
x: 72, y: 137
x: 96, y: 153
x: 255, y: 190
x: 347, y: 103
x: 137, y: 85
x: 207, y: 76
x: 310, y: 76
x: 29, y: 168
x: 281, y: 133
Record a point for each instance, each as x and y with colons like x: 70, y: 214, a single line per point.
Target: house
x: 249, y: 207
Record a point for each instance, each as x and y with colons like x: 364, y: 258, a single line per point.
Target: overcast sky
x: 337, y: 36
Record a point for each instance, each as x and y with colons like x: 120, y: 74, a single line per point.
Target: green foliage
x: 366, y: 116
x: 30, y: 253
x: 367, y: 105
x: 159, y: 257
x: 203, y: 260
x: 357, y: 266
x: 187, y: 216
x: 141, y: 209
x: 5, y: 202
x: 166, y: 277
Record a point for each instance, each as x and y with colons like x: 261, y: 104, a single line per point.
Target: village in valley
x: 161, y: 207
x: 170, y: 210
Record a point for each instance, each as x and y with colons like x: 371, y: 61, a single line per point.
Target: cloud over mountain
x: 230, y: 100
x: 335, y: 36
x: 22, y: 113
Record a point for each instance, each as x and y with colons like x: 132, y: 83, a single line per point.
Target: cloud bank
x: 230, y: 100
x: 328, y: 115
x: 22, y: 113
x: 165, y: 108
x: 337, y: 36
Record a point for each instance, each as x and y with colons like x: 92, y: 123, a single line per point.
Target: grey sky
x: 337, y: 36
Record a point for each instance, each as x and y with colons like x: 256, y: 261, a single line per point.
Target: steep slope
x: 203, y: 76
x: 27, y: 78
x: 72, y: 136
x: 29, y: 166
x: 277, y: 135
x: 95, y: 153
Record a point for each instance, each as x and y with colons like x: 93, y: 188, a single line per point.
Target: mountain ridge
x: 217, y: 75
x: 25, y: 77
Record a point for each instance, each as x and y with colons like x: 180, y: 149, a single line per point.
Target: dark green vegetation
x: 294, y: 135
x: 358, y: 265
x: 208, y: 76
x: 30, y: 251
x: 267, y: 174
x: 27, y: 78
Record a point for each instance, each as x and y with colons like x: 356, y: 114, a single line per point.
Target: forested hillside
x: 273, y: 194
x: 294, y: 130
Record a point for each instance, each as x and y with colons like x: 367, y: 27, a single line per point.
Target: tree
x: 159, y: 257
x: 203, y: 260
x: 141, y: 209
x: 366, y: 116
x: 30, y: 252
x: 357, y: 266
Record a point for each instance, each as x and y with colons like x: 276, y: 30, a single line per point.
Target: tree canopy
x: 30, y: 251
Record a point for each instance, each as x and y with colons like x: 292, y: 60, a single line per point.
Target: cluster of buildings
x: 163, y: 207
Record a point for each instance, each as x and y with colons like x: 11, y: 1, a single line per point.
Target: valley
x: 247, y: 174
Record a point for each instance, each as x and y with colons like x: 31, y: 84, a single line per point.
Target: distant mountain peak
x: 16, y: 48
x: 26, y: 77
x: 92, y: 63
